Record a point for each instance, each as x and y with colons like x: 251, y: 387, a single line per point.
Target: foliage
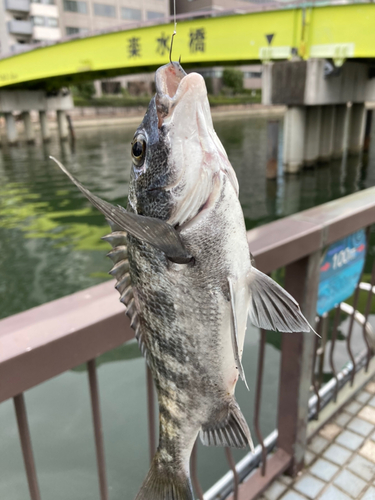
x: 135, y: 101
x: 115, y: 101
x: 222, y: 100
x: 233, y: 79
x: 85, y: 90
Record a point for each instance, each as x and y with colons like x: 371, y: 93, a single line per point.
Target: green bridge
x: 269, y: 32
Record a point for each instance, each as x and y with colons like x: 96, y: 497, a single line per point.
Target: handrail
x: 44, y: 341
x: 47, y: 340
x: 287, y: 240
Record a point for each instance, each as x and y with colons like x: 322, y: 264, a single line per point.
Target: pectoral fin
x: 234, y: 331
x: 272, y: 308
x: 156, y: 232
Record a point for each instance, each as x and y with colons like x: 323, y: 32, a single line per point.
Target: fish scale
x: 187, y: 279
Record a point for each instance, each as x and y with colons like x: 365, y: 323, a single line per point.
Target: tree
x: 233, y: 79
x: 86, y: 90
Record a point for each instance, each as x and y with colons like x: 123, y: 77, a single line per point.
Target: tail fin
x: 165, y: 482
x: 227, y: 427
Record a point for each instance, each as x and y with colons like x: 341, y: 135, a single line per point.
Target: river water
x: 50, y: 246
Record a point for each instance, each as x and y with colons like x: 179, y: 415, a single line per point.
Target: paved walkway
x: 340, y: 462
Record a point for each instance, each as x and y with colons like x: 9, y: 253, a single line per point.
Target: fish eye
x: 138, y: 150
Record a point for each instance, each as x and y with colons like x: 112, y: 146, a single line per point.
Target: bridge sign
x: 340, y: 270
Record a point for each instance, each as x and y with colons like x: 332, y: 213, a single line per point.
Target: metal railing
x: 43, y: 342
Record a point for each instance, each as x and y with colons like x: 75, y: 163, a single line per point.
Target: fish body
x: 184, y: 273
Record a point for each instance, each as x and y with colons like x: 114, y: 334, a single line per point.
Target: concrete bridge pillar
x: 294, y: 137
x: 356, y: 128
x: 12, y: 134
x: 62, y: 124
x: 341, y: 118
x: 44, y: 128
x: 327, y: 130
x: 312, y: 134
x: 29, y: 130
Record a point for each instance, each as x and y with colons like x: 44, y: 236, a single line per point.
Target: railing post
x: 301, y: 281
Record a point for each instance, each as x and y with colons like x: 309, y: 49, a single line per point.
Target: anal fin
x: 234, y: 330
x: 227, y: 428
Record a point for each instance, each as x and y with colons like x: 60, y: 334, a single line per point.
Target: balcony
x: 18, y: 5
x: 20, y: 47
x: 20, y: 27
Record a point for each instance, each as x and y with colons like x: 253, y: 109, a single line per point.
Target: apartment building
x: 24, y: 22
x: 83, y: 16
x: 188, y: 6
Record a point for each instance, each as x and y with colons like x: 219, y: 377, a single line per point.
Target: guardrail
x: 43, y: 342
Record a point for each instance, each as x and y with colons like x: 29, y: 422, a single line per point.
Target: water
x: 50, y: 246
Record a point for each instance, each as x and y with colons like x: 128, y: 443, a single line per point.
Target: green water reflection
x: 50, y: 246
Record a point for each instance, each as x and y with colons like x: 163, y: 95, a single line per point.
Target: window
x: 51, y: 22
x: 72, y: 30
x: 38, y: 21
x: 131, y: 14
x: 102, y: 9
x: 45, y: 2
x: 252, y: 74
x: 154, y: 15
x: 75, y: 6
x: 111, y: 87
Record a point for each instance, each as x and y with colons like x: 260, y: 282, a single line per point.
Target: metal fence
x: 45, y: 341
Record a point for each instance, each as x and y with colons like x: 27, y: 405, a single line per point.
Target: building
x: 23, y: 23
x: 187, y: 6
x: 252, y: 77
x: 83, y: 16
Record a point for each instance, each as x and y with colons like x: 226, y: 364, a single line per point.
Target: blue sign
x: 340, y: 270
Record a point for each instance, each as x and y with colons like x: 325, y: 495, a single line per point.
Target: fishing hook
x: 174, y: 31
x: 170, y: 48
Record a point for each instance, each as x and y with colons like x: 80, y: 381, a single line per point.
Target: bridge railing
x: 258, y: 6
x: 48, y: 340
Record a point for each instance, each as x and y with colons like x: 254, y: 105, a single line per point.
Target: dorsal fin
x: 120, y: 270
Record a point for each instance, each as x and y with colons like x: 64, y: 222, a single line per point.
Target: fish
x: 186, y: 276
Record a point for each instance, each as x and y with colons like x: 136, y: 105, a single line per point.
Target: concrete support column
x: 62, y: 125
x: 342, y: 112
x: 12, y: 134
x: 312, y: 134
x: 327, y: 130
x: 368, y: 127
x: 356, y: 128
x: 29, y: 131
x: 44, y: 128
x: 294, y: 134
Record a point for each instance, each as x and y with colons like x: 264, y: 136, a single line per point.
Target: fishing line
x: 174, y: 31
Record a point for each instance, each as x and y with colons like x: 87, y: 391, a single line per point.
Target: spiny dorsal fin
x: 120, y: 270
x: 227, y: 428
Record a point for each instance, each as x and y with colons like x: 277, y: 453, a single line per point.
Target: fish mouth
x: 172, y: 85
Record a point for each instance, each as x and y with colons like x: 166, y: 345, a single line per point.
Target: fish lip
x: 168, y: 78
x: 172, y: 84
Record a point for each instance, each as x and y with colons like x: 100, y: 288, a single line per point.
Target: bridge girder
x: 337, y: 32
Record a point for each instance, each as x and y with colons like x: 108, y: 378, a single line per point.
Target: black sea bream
x: 184, y: 272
